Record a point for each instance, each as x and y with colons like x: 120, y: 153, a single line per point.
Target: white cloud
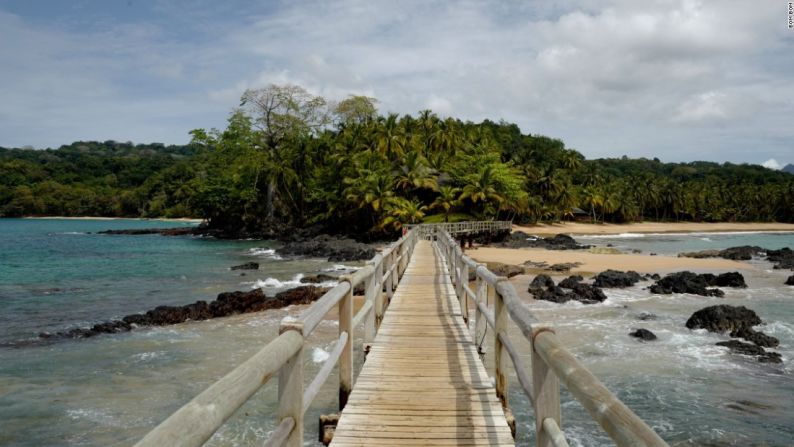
x: 772, y: 164
x: 678, y: 79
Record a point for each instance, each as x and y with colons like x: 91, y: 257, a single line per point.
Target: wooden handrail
x: 552, y: 363
x: 194, y: 423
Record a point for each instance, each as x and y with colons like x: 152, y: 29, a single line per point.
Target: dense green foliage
x: 288, y: 158
x: 95, y: 179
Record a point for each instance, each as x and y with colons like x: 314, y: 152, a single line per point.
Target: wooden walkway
x: 423, y: 382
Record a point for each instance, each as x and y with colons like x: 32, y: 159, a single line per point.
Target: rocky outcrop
x: 685, y: 282
x: 506, y: 270
x: 743, y: 348
x: 790, y: 281
x: 688, y: 282
x: 617, y: 279
x: 723, y: 318
x: 739, y: 322
x: 246, y: 266
x: 543, y: 288
x: 643, y: 334
x: 226, y: 304
x: 335, y: 249
x: 782, y: 259
x: 318, y: 278
x: 520, y: 239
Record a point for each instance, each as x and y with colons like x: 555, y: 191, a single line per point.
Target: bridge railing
x: 496, y: 303
x: 199, y: 419
x: 462, y: 227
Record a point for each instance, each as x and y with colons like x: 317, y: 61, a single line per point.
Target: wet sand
x: 594, y: 263
x: 577, y: 228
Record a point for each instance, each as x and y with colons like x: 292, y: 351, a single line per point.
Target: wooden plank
x: 423, y: 383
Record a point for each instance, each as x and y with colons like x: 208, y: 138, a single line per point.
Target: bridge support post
x: 290, y: 389
x: 464, y: 297
x: 501, y: 356
x: 372, y: 289
x: 480, y: 325
x: 546, y: 389
x: 346, y: 358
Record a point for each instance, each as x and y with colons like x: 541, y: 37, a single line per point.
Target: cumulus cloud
x: 772, y: 164
x: 678, y: 79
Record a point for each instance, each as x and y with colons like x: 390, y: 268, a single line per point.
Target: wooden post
x: 501, y: 356
x: 395, y: 274
x: 546, y: 389
x: 346, y: 359
x: 464, y: 297
x: 290, y: 389
x: 390, y: 276
x: 371, y: 291
x: 480, y: 325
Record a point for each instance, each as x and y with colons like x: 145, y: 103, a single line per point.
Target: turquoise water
x: 111, y: 390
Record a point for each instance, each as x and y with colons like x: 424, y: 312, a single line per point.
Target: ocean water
x: 111, y: 390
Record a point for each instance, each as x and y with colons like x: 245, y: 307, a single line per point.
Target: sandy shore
x: 577, y: 228
x: 165, y: 219
x: 593, y: 263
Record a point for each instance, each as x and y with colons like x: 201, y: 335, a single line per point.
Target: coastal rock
x: 646, y: 316
x: 723, y: 318
x: 783, y: 258
x: 686, y: 282
x: 506, y: 270
x: 564, y: 266
x: 520, y: 239
x: 541, y: 281
x: 730, y: 279
x: 740, y: 347
x: 617, y: 279
x: 571, y: 281
x: 246, y: 266
x: 335, y: 249
x: 643, y: 334
x: 790, y: 281
x: 300, y: 295
x: 318, y: 278
x: 228, y: 303
x: 757, y: 337
x: 543, y: 288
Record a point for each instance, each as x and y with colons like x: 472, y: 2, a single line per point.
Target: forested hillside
x: 288, y: 158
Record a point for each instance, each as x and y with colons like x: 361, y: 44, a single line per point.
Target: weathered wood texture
x: 423, y: 382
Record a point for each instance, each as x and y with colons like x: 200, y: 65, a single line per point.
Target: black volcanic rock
x: 790, y: 281
x: 246, y: 266
x: 686, y: 282
x: 614, y: 278
x: 571, y: 281
x: 643, y: 334
x: 506, y: 270
x: 335, y: 249
x: 520, y: 239
x: 740, y: 347
x: 783, y: 258
x: 759, y: 338
x: 226, y: 304
x: 723, y: 318
x: 542, y: 281
x: 543, y: 288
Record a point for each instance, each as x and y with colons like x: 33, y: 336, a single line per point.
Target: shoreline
x: 606, y: 229
x: 164, y: 219
x: 593, y: 263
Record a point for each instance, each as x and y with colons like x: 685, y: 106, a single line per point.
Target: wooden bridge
x: 423, y: 381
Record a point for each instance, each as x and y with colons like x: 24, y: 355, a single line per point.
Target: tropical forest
x: 288, y: 158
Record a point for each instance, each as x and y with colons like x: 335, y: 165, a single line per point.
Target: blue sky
x: 676, y: 79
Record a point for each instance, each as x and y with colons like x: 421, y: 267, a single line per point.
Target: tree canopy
x: 290, y: 158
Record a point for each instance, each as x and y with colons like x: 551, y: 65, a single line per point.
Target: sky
x: 680, y: 80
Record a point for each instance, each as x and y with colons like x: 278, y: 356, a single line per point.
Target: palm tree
x: 390, y: 136
x: 447, y: 200
x: 415, y: 173
x: 594, y: 199
x: 403, y: 211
